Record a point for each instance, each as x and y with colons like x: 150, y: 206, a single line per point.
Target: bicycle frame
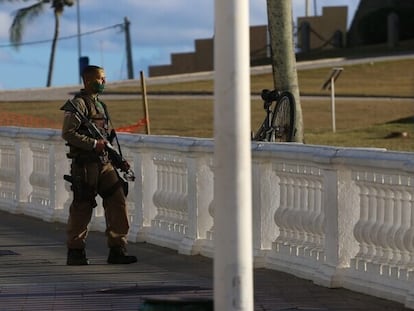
x: 278, y: 124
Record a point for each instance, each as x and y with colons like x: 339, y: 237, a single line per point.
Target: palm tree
x: 285, y: 76
x: 27, y: 14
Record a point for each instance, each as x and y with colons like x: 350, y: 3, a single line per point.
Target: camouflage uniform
x: 92, y: 174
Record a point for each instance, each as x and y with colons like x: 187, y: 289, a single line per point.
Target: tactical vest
x: 95, y: 114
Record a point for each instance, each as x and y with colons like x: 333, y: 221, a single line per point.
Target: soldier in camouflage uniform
x: 92, y: 174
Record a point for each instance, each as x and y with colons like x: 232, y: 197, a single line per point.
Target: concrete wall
x: 202, y: 58
x: 323, y: 27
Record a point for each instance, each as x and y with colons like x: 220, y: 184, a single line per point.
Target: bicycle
x: 279, y: 123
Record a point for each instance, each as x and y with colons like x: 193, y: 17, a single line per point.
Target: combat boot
x: 76, y: 257
x: 118, y: 255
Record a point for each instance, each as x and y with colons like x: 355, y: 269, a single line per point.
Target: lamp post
x: 79, y: 36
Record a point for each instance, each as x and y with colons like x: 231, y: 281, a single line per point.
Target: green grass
x: 359, y: 122
x: 387, y: 78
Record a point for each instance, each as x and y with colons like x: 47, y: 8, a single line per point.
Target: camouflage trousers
x: 92, y: 179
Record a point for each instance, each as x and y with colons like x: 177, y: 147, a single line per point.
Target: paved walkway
x: 33, y: 276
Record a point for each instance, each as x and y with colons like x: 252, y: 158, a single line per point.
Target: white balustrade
x: 300, y: 217
x: 341, y: 217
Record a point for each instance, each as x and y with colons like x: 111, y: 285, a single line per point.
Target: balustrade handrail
x: 341, y: 217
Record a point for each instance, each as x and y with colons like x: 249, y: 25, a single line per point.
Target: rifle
x: 116, y: 158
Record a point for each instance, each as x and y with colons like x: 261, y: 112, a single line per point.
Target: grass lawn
x: 359, y: 122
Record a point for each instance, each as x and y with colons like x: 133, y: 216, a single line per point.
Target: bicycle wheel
x: 283, y: 120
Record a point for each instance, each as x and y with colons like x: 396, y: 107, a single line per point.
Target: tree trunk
x: 53, y: 49
x: 285, y: 78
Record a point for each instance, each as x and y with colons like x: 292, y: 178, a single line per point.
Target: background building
x: 376, y: 22
x: 371, y: 24
x: 202, y: 58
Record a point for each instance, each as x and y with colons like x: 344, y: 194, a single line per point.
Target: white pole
x: 333, y: 104
x: 233, y: 258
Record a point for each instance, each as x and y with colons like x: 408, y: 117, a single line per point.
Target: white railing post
x: 341, y: 204
x: 9, y: 175
x: 25, y: 162
x: 200, y: 194
x: 62, y: 188
x: 145, y: 187
x: 265, y: 195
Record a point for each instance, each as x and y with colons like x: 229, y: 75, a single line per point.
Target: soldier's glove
x: 125, y: 166
x: 100, y: 145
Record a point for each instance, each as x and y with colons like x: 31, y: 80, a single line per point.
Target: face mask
x: 98, y: 87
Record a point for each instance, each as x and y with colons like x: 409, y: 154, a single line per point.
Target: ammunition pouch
x: 81, y: 190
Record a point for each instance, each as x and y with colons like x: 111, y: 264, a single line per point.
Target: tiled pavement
x: 33, y: 276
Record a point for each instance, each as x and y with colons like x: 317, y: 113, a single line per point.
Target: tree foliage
x: 26, y: 15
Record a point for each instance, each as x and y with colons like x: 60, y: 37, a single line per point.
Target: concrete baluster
x: 363, y: 219
x: 320, y: 219
x: 378, y: 223
x: 407, y: 231
x: 392, y: 203
x: 281, y: 210
x: 372, y: 216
